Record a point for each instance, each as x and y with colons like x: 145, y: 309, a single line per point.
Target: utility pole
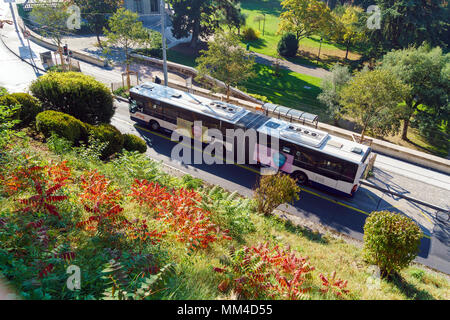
x: 264, y: 22
x: 163, y: 34
x: 321, y: 39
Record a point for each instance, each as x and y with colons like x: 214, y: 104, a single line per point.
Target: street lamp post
x: 163, y: 34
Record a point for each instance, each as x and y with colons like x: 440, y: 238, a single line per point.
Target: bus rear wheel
x: 154, y: 125
x: 301, y: 177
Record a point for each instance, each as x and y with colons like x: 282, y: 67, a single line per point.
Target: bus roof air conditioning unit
x: 304, y: 135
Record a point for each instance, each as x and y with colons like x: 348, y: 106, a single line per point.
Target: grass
x: 195, y: 278
x: 290, y: 89
x: 267, y: 44
x: 418, y: 142
x: 181, y: 58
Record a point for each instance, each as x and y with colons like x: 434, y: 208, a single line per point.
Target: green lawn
x: 290, y: 89
x: 181, y: 58
x: 267, y: 44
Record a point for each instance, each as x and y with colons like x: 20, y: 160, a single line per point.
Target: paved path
x: 303, y: 69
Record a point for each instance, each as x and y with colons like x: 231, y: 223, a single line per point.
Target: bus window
x: 186, y: 115
x: 170, y: 114
x: 349, y: 171
x: 331, y: 166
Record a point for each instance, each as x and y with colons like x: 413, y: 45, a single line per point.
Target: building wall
x: 146, y: 6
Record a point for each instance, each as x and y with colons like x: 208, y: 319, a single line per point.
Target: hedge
x: 30, y: 107
x: 62, y: 124
x: 110, y: 134
x: 76, y: 94
x: 134, y: 143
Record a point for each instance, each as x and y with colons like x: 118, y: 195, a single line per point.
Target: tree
x: 372, y: 98
x: 76, y: 94
x: 349, y: 26
x: 225, y: 60
x: 199, y: 17
x: 288, y: 45
x: 275, y: 190
x: 126, y: 32
x: 332, y: 85
x: 427, y: 72
x: 304, y: 17
x: 391, y: 241
x: 96, y: 13
x: 409, y: 23
x: 232, y: 17
x: 52, y: 18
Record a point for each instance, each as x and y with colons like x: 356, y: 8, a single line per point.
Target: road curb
x: 424, y: 203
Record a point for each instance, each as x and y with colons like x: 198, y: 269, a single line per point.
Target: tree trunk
x: 348, y: 47
x: 99, y: 41
x: 128, y: 71
x: 195, y: 35
x: 320, y: 48
x: 405, y: 129
x: 61, y: 57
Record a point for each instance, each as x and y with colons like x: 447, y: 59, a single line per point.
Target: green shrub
x: 3, y: 91
x: 391, y: 241
x: 110, y: 134
x: 250, y: 34
x: 150, y: 52
x: 76, y: 94
x: 288, y: 45
x: 29, y: 107
x: 418, y: 274
x: 62, y: 124
x: 274, y: 190
x: 229, y: 211
x: 189, y: 182
x: 122, y: 92
x: 8, y: 100
x: 134, y: 143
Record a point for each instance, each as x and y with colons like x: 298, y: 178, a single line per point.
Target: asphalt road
x: 345, y: 215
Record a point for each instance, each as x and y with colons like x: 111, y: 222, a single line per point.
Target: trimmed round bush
x: 134, y: 143
x: 250, y: 34
x: 76, y: 94
x: 62, y: 124
x: 29, y: 107
x: 391, y: 241
x: 110, y: 134
x: 288, y: 45
x: 8, y: 100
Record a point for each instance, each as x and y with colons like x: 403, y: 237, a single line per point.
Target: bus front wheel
x: 154, y: 125
x: 301, y: 177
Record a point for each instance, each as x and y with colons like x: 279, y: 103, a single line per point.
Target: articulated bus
x: 310, y: 155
